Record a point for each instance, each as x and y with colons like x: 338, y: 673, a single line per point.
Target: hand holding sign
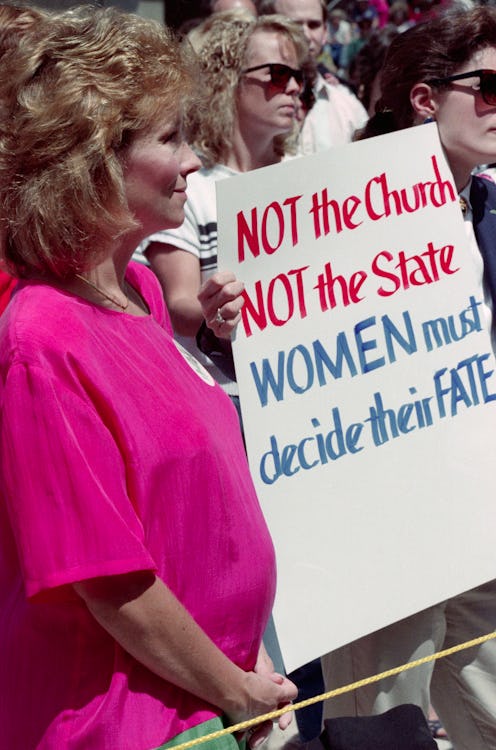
x: 221, y: 300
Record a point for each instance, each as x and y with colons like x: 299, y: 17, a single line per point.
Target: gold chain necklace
x: 104, y: 294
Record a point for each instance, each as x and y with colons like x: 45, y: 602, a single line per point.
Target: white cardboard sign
x: 367, y: 384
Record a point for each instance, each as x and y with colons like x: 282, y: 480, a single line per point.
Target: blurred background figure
x: 381, y: 8
x: 217, y: 6
x: 207, y: 8
x: 337, y: 113
x: 365, y: 21
x: 364, y: 71
x: 400, y: 16
x: 339, y: 36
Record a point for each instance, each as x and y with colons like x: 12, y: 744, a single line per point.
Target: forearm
x: 186, y: 315
x: 147, y: 620
x: 179, y: 274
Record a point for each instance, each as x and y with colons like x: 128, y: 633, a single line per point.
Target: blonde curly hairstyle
x: 15, y: 20
x: 221, y: 43
x: 71, y: 104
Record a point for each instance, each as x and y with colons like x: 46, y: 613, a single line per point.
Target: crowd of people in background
x: 357, y: 32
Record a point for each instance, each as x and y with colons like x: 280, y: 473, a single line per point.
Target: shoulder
x: 206, y: 178
x: 340, y: 95
x: 345, y: 94
x: 38, y: 321
x: 484, y: 181
x: 43, y: 324
x: 200, y: 191
x: 218, y: 172
x: 482, y: 192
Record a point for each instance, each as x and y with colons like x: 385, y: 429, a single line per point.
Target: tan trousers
x: 461, y: 687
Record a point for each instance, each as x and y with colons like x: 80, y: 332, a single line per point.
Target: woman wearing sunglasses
x: 443, y: 70
x: 252, y: 79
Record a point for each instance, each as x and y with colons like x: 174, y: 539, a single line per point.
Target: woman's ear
x: 423, y: 102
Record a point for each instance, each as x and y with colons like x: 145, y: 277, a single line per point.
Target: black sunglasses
x: 280, y: 74
x: 487, y: 83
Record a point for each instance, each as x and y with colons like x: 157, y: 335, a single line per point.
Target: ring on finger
x: 218, y: 317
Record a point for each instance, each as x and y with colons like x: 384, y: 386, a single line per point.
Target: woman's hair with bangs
x: 71, y: 103
x: 433, y: 49
x: 221, y: 43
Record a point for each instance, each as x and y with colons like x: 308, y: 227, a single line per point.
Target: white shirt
x: 333, y: 119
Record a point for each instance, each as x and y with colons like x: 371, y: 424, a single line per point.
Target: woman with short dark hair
x: 443, y: 71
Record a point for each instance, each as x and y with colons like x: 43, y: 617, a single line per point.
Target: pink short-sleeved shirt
x: 116, y: 455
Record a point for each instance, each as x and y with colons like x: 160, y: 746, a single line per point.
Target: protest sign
x: 367, y: 384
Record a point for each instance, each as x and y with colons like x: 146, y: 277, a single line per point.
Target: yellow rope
x: 333, y: 693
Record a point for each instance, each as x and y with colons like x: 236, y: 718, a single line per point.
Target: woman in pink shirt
x: 136, y: 570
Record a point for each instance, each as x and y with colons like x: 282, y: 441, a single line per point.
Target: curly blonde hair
x: 221, y: 43
x: 16, y: 24
x: 93, y: 78
x: 14, y: 21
